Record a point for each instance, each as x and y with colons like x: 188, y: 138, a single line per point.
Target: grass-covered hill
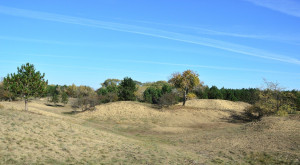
x: 137, y: 133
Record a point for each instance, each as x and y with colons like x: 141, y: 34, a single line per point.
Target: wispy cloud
x: 86, y: 68
x: 151, y: 62
x: 290, y: 7
x: 208, y: 67
x: 202, y: 30
x: 236, y: 48
x: 293, y: 39
x: 37, y: 40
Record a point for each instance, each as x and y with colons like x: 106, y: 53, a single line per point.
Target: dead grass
x: 28, y: 138
x: 137, y: 133
x: 209, y: 104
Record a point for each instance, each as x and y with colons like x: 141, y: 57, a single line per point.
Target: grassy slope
x: 135, y: 133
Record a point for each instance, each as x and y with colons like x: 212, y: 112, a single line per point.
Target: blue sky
x: 232, y: 43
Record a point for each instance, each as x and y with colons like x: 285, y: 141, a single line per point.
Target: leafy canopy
x: 185, y: 81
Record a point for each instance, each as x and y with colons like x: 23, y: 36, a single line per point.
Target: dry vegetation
x: 137, y: 133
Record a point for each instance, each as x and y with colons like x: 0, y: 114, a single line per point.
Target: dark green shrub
x: 166, y: 88
x: 127, y: 89
x: 64, y: 98
x: 214, y: 93
x: 152, y: 95
x: 55, y: 98
x: 102, y: 91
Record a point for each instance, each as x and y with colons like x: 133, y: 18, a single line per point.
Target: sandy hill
x: 196, y: 113
x: 44, y: 136
x: 136, y: 133
x: 217, y: 104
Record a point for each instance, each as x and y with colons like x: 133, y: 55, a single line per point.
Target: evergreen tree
x: 55, y: 98
x: 26, y: 83
x: 64, y: 98
x: 127, y: 90
x: 214, y: 93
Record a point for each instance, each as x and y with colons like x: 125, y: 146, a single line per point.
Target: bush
x: 109, y: 97
x: 102, y: 91
x: 288, y: 109
x: 55, y: 98
x: 1, y: 91
x: 168, y: 99
x: 253, y: 112
x: 166, y: 88
x: 191, y: 96
x: 202, y: 92
x: 4, y: 94
x: 281, y: 113
x: 72, y: 90
x: 64, y: 98
x: 86, y: 103
x: 84, y: 91
x: 127, y: 90
x: 152, y: 95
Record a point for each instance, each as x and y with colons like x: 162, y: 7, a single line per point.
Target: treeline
x: 110, y: 91
x: 249, y: 95
x: 27, y: 83
x: 160, y: 93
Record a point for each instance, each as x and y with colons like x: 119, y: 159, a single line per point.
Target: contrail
x: 240, y: 49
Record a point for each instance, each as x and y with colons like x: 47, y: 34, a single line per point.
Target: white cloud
x: 290, y: 7
x: 236, y: 48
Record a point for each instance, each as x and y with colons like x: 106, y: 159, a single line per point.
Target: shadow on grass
x: 242, y: 118
x: 51, y: 105
x: 72, y: 112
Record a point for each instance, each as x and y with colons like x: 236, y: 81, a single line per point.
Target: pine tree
x: 26, y: 83
x: 64, y: 98
x: 127, y: 90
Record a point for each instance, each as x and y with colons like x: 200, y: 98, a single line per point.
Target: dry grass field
x: 203, y: 132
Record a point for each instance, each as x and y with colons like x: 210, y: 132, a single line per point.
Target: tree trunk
x: 184, y: 98
x: 26, y: 106
x: 277, y: 102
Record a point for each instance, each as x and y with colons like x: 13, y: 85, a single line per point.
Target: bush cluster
x: 57, y: 94
x: 168, y: 99
x: 86, y: 102
x: 161, y: 95
x: 4, y: 94
x: 250, y: 95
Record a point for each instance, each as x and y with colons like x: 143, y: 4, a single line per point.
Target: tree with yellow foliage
x: 185, y: 81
